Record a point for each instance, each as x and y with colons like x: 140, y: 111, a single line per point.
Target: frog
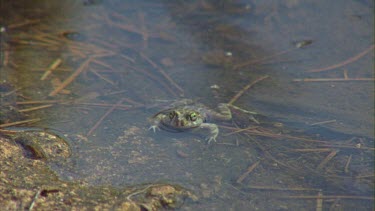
x: 190, y: 116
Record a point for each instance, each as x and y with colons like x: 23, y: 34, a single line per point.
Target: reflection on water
x: 97, y: 70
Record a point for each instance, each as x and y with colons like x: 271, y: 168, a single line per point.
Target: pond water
x: 102, y: 68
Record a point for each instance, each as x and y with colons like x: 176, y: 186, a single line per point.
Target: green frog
x: 187, y: 115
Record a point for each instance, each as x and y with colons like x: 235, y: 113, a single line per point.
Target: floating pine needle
x: 52, y: 67
x: 240, y: 93
x: 104, y: 116
x: 348, y: 61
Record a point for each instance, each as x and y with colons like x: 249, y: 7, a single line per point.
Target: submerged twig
x: 346, y: 169
x: 331, y: 79
x: 280, y: 188
x: 240, y: 93
x: 104, y: 116
x: 329, y: 197
x: 163, y: 73
x: 319, y: 201
x: 102, y: 77
x: 248, y: 171
x: 323, y: 122
x: 312, y: 150
x: 262, y: 59
x: 35, y: 108
x: 151, y: 76
x: 327, y: 159
x: 71, y: 78
x: 19, y: 122
x: 34, y: 199
x: 27, y: 22
x: 348, y: 61
x: 72, y: 102
x: 255, y: 132
x: 52, y: 67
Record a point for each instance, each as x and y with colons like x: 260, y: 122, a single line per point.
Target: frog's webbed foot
x: 154, y: 128
x: 210, y: 131
x: 210, y: 138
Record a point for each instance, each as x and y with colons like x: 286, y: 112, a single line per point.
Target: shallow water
x: 144, y: 54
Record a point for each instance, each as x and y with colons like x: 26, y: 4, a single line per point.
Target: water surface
x: 120, y: 62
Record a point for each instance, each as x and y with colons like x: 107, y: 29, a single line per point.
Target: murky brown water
x: 119, y: 62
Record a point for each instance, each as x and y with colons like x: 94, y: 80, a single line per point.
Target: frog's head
x: 182, y: 119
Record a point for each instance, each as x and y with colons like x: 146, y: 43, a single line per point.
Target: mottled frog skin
x: 186, y: 115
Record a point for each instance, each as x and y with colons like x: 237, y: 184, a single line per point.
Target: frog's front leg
x: 209, y: 130
x: 155, y: 122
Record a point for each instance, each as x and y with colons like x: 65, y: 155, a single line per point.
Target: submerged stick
x: 34, y: 199
x: 262, y: 59
x: 319, y: 201
x: 331, y: 79
x: 329, y: 197
x: 20, y: 122
x: 348, y: 61
x: 35, y: 108
x: 312, y: 150
x: 323, y: 122
x: 162, y: 72
x: 248, y: 171
x: 327, y: 159
x: 72, y: 102
x: 346, y: 168
x: 280, y: 188
x: 71, y: 78
x: 52, y: 67
x: 240, y: 93
x: 104, y: 116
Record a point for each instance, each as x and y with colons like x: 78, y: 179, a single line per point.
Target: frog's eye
x: 193, y: 116
x: 172, y: 114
